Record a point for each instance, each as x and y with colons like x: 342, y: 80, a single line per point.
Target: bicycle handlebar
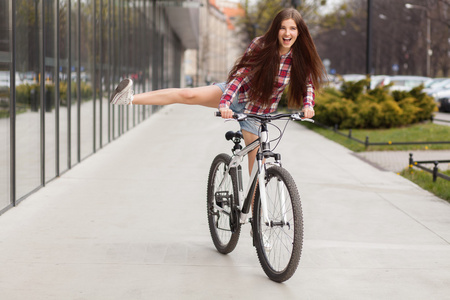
x: 294, y: 116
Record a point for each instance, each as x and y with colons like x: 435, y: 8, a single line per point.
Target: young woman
x: 284, y: 55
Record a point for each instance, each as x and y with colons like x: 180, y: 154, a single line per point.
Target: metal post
x: 411, y: 160
x: 12, y: 104
x: 42, y: 44
x: 435, y: 171
x: 57, y: 96
x: 369, y: 39
x: 428, y: 44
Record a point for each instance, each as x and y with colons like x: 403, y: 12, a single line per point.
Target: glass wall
x: 29, y: 45
x: 5, y: 105
x: 65, y: 58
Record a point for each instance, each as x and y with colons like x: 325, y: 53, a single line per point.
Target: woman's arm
x: 309, y: 100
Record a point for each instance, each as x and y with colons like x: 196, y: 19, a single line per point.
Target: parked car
x: 433, y: 82
x: 438, y: 87
x: 442, y: 93
x: 444, y: 104
x: 353, y: 77
x: 403, y: 83
x: 375, y: 80
x: 339, y: 79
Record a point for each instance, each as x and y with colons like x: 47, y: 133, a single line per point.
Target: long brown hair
x: 262, y: 64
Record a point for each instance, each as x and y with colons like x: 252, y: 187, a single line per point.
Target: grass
x: 425, y: 132
x: 440, y: 188
x: 419, y: 132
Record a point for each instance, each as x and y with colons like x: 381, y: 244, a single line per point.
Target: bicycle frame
x: 257, y: 175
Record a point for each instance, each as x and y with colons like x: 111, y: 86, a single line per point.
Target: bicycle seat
x: 233, y: 134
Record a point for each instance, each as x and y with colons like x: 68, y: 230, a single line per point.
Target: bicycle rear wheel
x: 279, y: 240
x: 222, y: 199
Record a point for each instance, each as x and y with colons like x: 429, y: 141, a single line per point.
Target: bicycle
x: 276, y: 220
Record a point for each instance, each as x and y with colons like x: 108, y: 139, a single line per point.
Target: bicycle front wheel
x: 279, y: 237
x: 222, y: 202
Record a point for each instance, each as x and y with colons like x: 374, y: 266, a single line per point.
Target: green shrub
x: 352, y: 90
x: 355, y: 107
x: 28, y: 95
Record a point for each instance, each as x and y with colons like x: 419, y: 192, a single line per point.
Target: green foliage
x: 352, y: 90
x: 440, y: 188
x: 355, y: 107
x: 421, y: 132
x: 27, y: 95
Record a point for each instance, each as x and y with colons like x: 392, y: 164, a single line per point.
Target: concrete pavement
x: 396, y: 161
x: 130, y: 223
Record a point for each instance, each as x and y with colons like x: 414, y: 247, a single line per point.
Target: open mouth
x: 287, y: 40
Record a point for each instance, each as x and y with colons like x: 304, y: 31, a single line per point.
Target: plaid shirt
x: 242, y: 85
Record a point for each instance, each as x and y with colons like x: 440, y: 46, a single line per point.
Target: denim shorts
x: 247, y: 125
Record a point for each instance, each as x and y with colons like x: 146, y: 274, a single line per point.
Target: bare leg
x: 206, y: 96
x: 248, y: 138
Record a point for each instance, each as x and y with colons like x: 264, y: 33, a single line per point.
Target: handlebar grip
x: 218, y: 114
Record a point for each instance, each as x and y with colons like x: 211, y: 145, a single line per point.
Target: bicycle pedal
x: 222, y: 197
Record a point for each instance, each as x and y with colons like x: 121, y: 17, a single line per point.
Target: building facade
x: 221, y: 42
x: 59, y: 63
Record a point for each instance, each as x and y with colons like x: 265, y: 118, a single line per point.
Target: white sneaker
x: 123, y: 94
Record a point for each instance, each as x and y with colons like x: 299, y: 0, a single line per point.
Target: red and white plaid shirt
x: 242, y: 85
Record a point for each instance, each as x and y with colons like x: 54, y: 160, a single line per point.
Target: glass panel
x: 64, y: 76
x: 50, y: 80
x: 87, y: 75
x: 5, y: 58
x: 103, y: 76
x: 73, y: 99
x: 28, y: 26
x: 117, y: 64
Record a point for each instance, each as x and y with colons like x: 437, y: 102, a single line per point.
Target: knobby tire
x: 278, y: 244
x: 224, y: 234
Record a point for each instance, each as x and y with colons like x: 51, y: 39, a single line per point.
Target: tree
x: 259, y: 16
x: 398, y: 37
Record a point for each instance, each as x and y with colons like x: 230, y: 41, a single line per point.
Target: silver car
x: 403, y: 83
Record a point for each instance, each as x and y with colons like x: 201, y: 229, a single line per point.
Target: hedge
x: 353, y: 106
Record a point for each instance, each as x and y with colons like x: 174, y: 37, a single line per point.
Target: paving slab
x: 130, y: 223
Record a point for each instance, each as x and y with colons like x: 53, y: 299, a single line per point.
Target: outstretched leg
x: 206, y: 96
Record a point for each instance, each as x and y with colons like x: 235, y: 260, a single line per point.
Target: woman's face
x: 287, y: 35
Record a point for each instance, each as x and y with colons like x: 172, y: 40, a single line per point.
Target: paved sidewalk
x: 130, y: 223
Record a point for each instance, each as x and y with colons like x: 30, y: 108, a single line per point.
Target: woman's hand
x: 226, y: 113
x: 308, y: 111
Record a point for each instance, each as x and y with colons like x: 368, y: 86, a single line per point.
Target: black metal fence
x: 367, y: 142
x: 434, y: 171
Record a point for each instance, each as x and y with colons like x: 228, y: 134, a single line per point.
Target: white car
x: 403, y: 83
x: 375, y: 80
x: 434, y: 82
x: 437, y: 88
x: 339, y: 79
